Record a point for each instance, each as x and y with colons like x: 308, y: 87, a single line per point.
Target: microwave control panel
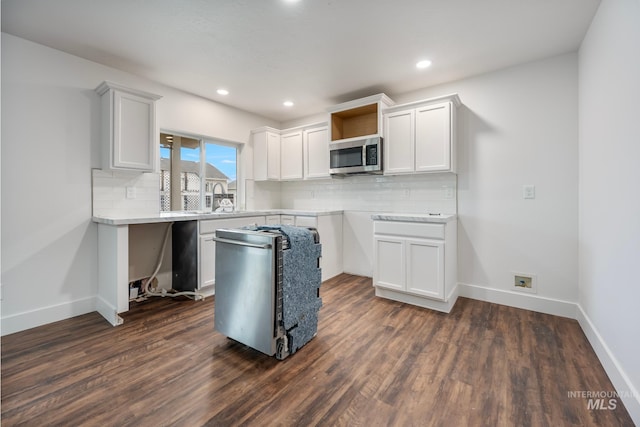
x: 371, y: 155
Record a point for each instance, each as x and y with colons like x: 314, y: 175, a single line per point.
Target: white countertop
x: 193, y: 216
x: 414, y: 217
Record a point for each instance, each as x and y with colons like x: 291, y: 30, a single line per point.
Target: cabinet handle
x: 241, y: 243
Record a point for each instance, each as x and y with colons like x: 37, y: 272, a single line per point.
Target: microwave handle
x: 364, y: 155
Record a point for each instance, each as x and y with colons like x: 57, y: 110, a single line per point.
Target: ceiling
x: 316, y: 53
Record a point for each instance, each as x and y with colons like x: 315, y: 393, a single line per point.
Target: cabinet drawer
x: 287, y: 220
x: 273, y: 219
x: 410, y: 229
x: 211, y: 225
x: 306, y: 221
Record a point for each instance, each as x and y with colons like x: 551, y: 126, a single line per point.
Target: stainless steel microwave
x: 360, y: 156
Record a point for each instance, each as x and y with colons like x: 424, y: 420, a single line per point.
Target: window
x: 196, y: 173
x: 221, y: 173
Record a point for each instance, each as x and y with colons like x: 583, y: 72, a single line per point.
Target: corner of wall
x: 527, y: 301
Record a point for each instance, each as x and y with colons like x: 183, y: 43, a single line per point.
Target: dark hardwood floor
x: 374, y: 362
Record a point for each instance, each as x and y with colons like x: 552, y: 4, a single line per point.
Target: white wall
x: 50, y: 143
x: 609, y: 232
x: 519, y: 127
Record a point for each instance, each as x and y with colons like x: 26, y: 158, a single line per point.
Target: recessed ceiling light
x: 223, y: 92
x: 423, y: 64
x: 288, y: 103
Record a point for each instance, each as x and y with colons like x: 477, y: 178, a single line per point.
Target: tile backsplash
x: 376, y: 193
x: 405, y: 193
x: 110, y: 193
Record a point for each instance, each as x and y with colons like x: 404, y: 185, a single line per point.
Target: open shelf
x: 359, y: 121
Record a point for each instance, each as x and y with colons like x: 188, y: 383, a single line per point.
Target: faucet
x: 213, y: 194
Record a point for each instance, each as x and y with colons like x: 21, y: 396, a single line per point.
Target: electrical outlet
x: 525, y: 282
x: 529, y: 191
x: 131, y: 192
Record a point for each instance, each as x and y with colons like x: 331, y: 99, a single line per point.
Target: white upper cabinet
x: 421, y: 136
x: 433, y: 148
x: 291, y: 155
x: 128, y: 128
x: 399, y: 131
x: 266, y: 154
x: 316, y: 153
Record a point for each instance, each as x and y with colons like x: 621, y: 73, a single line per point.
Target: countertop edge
x: 411, y: 217
x: 149, y: 219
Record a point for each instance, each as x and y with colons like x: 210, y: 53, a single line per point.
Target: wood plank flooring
x: 374, y: 362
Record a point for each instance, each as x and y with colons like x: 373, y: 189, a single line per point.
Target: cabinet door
x: 389, y: 256
x: 316, y: 153
x: 399, y: 142
x: 291, y: 156
x: 425, y: 268
x: 133, y: 132
x: 433, y: 138
x: 273, y: 156
x: 266, y: 156
x: 207, y: 260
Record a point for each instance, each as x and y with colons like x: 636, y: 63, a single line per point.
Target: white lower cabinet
x: 207, y: 263
x: 330, y: 230
x: 415, y: 266
x: 389, y: 271
x: 415, y: 262
x: 425, y: 268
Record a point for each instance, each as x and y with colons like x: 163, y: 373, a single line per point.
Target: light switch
x: 529, y: 191
x: 448, y: 192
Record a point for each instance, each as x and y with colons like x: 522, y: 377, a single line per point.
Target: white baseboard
x: 443, y: 306
x: 525, y: 301
x: 621, y: 382
x: 42, y: 316
x: 108, y: 311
